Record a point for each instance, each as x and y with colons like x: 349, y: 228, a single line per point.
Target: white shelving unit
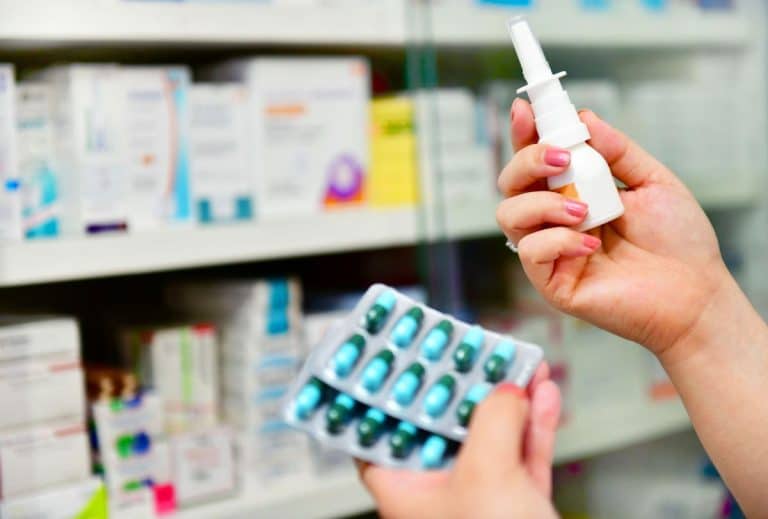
x: 327, y: 497
x: 100, y: 256
x: 459, y: 24
x: 41, y: 23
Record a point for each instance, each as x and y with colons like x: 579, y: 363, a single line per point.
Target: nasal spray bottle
x: 588, y: 178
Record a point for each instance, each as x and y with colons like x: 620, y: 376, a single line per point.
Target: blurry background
x: 196, y: 188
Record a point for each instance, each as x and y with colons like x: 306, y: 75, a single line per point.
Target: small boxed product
x: 85, y: 499
x: 43, y: 455
x: 223, y: 180
x: 39, y: 178
x: 86, y: 128
x: 203, y: 465
x: 40, y: 390
x: 179, y: 362
x: 36, y: 337
x: 308, y: 128
x: 154, y: 129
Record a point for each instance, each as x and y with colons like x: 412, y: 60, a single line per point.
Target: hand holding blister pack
x: 588, y: 179
x: 395, y: 383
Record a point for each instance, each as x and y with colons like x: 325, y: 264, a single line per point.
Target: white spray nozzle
x: 535, y: 66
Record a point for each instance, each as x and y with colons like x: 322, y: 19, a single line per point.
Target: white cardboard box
x: 32, y: 337
x: 308, y: 128
x: 43, y: 455
x: 81, y: 499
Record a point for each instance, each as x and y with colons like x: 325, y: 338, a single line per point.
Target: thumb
x: 495, y: 438
x: 403, y: 493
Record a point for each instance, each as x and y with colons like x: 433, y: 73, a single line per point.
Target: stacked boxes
x: 179, y: 363
x: 43, y: 440
x: 262, y: 349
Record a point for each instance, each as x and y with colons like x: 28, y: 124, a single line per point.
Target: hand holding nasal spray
x: 588, y: 178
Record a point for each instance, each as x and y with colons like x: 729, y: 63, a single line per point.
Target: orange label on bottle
x: 568, y: 191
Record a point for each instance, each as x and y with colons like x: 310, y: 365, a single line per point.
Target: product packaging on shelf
x: 394, y: 164
x: 134, y: 452
x: 42, y: 455
x: 223, y: 180
x: 38, y: 175
x: 154, y: 138
x: 86, y: 127
x: 179, y: 363
x: 86, y: 500
x: 10, y: 192
x: 308, y: 128
x: 456, y: 160
x: 203, y: 465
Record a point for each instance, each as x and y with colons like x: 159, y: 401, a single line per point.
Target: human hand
x: 503, y: 469
x: 647, y: 276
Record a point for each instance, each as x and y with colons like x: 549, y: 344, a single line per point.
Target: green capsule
x: 376, y: 316
x: 339, y: 413
x: 498, y: 363
x: 371, y: 426
x: 465, y: 355
x: 473, y: 397
x: 403, y: 440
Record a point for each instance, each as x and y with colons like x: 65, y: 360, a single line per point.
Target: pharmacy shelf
x: 346, y: 23
x: 37, y: 23
x: 335, y: 496
x: 614, y: 427
x: 100, y: 256
x: 322, y: 498
x: 457, y: 24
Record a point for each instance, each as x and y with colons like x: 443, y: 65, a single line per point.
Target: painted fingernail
x: 557, y: 157
x: 509, y: 387
x: 575, y: 208
x: 591, y: 242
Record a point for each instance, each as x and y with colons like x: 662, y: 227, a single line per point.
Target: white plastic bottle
x: 588, y: 178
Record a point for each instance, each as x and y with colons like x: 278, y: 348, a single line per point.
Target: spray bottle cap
x: 557, y: 121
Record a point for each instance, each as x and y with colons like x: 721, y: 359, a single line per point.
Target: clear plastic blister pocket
x: 395, y: 383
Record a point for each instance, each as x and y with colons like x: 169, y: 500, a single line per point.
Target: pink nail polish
x: 575, y: 208
x: 591, y: 242
x: 557, y: 157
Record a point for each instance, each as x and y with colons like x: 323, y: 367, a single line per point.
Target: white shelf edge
x: 610, y: 429
x: 63, y: 259
x: 631, y: 28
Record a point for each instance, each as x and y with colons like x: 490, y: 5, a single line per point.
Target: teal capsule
x: 407, y: 327
x: 377, y: 315
x: 439, y: 396
x: 474, y: 396
x: 436, y: 341
x: 403, y: 440
x: 498, y: 363
x: 339, y: 413
x: 371, y: 426
x: 408, y: 384
x: 309, y: 399
x: 466, y: 353
x: 377, y: 371
x: 346, y: 357
x: 433, y: 452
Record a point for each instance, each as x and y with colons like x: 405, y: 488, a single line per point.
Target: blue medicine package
x: 395, y: 382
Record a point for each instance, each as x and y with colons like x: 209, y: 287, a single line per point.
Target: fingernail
x: 514, y: 105
x: 575, y: 208
x: 557, y: 157
x: 591, y: 242
x: 509, y: 387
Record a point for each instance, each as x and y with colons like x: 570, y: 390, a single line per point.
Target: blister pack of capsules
x: 395, y: 383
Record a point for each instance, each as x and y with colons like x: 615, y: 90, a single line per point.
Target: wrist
x: 728, y: 318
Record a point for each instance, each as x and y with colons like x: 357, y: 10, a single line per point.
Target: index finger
x: 522, y: 124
